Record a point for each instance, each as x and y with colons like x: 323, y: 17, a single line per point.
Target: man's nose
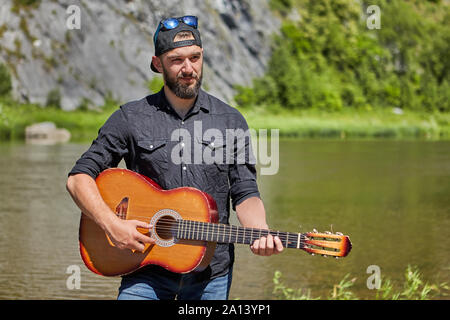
x: 187, y: 66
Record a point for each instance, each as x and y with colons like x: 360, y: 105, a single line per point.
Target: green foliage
x: 329, y: 60
x: 155, y: 84
x: 53, y: 99
x: 282, y: 6
x: 342, y: 291
x: 414, y: 288
x: 24, y: 4
x: 284, y: 293
x: 5, y: 81
x: 83, y: 125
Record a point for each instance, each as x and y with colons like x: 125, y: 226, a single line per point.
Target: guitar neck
x: 222, y: 233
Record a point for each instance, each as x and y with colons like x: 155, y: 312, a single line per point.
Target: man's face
x: 182, y: 70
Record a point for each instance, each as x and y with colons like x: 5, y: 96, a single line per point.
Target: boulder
x: 46, y: 133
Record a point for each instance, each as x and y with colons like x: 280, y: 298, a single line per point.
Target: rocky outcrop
x: 109, y: 55
x: 46, y: 133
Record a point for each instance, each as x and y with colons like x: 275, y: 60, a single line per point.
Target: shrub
x: 5, y: 81
x: 329, y: 59
x: 54, y: 99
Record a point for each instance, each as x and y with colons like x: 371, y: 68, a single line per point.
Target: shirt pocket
x: 215, y: 163
x: 153, y: 155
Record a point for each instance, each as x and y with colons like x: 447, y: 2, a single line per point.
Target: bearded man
x: 142, y: 133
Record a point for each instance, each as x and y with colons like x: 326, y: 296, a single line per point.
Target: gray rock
x: 109, y: 56
x: 46, y: 133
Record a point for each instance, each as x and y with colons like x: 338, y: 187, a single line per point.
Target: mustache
x: 188, y: 75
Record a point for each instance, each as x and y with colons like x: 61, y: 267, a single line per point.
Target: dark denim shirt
x: 202, y: 150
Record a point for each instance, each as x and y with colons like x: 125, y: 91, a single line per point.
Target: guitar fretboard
x: 222, y: 233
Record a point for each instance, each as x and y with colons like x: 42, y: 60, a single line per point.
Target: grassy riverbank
x: 82, y: 124
x: 354, y: 124
x: 351, y: 124
x: 414, y: 287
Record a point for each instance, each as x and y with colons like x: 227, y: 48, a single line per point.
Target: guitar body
x: 136, y: 197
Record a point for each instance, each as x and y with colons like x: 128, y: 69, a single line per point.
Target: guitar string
x: 221, y: 231
x: 195, y: 221
x: 191, y: 233
x: 288, y: 239
x: 238, y: 233
x: 285, y: 237
x: 189, y: 211
x: 242, y: 237
x: 193, y: 227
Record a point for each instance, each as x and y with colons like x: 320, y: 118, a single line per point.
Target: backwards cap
x: 165, y: 40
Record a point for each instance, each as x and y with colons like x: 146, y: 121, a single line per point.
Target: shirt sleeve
x: 108, y: 149
x: 242, y: 173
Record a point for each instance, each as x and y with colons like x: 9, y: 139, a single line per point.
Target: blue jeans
x: 165, y: 286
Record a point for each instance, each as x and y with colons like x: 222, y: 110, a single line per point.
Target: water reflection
x: 391, y: 197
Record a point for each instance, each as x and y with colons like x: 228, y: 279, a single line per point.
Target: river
x: 390, y: 197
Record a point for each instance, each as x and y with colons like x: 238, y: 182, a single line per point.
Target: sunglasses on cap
x: 172, y: 23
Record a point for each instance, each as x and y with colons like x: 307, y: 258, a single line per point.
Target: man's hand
x: 124, y: 234
x: 251, y: 213
x: 266, y: 246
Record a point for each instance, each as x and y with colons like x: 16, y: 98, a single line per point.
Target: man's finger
x: 262, y: 246
x: 278, y: 245
x: 137, y: 246
x: 141, y: 224
x: 255, y: 246
x: 144, y: 239
x: 269, y: 244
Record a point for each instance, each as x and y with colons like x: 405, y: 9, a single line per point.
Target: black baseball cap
x: 168, y: 29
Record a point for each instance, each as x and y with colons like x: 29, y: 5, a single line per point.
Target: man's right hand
x: 124, y: 234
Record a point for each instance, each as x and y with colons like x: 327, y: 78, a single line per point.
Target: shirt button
x: 151, y: 146
x: 182, y: 122
x: 184, y: 168
x: 182, y: 144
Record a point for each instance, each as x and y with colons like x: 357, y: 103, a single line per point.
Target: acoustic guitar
x: 185, y: 228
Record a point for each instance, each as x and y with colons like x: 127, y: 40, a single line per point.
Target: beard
x: 183, y: 91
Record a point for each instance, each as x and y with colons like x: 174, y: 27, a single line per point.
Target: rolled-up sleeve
x: 108, y: 149
x: 242, y: 173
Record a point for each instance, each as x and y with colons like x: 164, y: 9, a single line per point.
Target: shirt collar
x: 200, y: 102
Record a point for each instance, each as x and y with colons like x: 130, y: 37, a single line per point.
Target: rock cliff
x: 110, y: 53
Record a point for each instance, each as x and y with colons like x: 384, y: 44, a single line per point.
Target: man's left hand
x: 266, y: 246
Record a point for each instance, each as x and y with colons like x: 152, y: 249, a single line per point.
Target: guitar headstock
x: 326, y: 244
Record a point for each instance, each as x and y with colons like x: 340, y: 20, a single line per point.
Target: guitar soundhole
x: 165, y: 227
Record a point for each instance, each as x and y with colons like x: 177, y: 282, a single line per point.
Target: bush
x: 54, y: 99
x: 155, y: 84
x: 5, y: 81
x: 330, y: 60
x: 413, y: 288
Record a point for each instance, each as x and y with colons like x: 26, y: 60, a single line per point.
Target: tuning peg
x: 328, y: 232
x: 339, y: 233
x: 324, y: 255
x: 336, y: 258
x: 315, y: 231
x: 312, y: 253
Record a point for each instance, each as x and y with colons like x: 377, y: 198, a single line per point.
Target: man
x: 142, y: 133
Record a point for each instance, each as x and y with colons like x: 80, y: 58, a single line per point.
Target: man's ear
x: 157, y: 63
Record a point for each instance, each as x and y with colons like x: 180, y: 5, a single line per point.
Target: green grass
x: 413, y: 288
x: 82, y: 124
x: 348, y: 124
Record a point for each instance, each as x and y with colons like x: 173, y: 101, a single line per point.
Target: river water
x: 391, y: 197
